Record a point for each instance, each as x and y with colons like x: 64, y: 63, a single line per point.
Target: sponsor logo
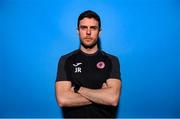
x: 77, y: 64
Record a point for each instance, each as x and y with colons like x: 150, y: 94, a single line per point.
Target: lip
x: 88, y: 39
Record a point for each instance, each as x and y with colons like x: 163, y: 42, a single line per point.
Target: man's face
x: 88, y: 32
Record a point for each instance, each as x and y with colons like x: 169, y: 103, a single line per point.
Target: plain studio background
x: 144, y: 34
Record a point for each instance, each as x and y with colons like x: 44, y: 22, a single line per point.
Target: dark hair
x: 89, y: 14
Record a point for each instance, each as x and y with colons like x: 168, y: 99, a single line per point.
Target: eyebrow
x: 84, y: 26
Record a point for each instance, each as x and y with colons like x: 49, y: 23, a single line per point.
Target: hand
x: 104, y: 85
x: 72, y: 88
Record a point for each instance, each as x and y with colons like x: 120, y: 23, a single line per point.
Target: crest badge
x: 100, y: 65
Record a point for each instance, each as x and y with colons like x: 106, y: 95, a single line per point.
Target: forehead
x: 89, y: 22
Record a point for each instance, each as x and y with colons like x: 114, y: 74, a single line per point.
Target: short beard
x: 88, y: 46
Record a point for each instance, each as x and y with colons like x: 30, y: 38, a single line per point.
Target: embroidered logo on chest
x: 100, y: 65
x: 77, y: 67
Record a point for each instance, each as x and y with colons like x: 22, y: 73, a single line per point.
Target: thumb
x: 104, y: 85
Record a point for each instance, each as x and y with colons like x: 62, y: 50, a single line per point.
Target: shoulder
x: 110, y: 56
x: 66, y: 56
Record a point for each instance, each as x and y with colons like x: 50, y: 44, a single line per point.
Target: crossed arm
x: 107, y: 95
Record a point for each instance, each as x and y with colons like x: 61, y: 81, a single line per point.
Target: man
x: 88, y: 79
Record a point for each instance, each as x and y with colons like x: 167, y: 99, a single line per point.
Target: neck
x: 89, y: 50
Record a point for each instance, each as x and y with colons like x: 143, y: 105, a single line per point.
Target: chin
x: 88, y: 44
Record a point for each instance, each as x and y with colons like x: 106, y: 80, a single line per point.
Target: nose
x: 88, y: 32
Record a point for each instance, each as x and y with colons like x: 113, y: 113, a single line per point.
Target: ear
x: 77, y: 30
x: 100, y: 32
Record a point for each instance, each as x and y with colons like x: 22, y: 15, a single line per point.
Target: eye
x: 83, y: 27
x: 94, y: 27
